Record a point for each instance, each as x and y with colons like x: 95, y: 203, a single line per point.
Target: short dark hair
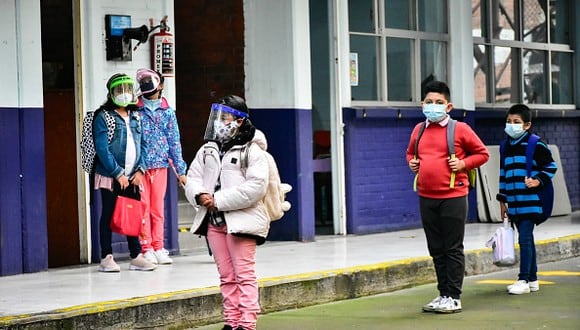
x: 235, y: 102
x: 438, y: 87
x: 522, y: 110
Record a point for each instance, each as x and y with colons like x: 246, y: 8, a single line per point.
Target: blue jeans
x: 528, y: 262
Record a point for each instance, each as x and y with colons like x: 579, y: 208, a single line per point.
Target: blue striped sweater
x: 524, y: 203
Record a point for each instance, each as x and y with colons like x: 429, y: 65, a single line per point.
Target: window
x: 521, y: 51
x: 399, y: 46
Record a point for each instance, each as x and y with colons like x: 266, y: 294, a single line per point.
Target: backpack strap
x: 419, y: 134
x: 530, y: 149
x: 451, y: 146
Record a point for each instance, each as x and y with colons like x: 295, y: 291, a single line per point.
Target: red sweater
x: 434, y: 171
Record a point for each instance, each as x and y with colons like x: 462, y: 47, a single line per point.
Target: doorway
x: 60, y: 133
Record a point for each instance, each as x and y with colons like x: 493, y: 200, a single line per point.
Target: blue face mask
x: 434, y: 112
x: 514, y: 130
x: 151, y: 104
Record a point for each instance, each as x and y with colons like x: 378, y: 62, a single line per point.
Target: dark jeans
x: 528, y: 263
x: 444, y: 224
x: 108, y: 199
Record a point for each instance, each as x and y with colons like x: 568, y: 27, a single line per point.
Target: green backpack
x: 471, y: 174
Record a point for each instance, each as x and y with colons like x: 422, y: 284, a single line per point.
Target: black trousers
x: 108, y: 199
x: 444, y: 224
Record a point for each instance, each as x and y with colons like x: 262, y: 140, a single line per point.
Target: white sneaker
x: 534, y: 285
x: 140, y: 263
x: 448, y: 305
x: 163, y: 257
x: 150, y: 256
x: 432, y: 306
x: 519, y: 287
x: 108, y: 265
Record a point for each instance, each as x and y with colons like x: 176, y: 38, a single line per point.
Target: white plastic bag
x: 502, y: 243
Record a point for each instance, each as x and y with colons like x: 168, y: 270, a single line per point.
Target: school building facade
x: 335, y: 86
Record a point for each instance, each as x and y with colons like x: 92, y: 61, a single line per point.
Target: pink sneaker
x: 108, y: 265
x: 140, y: 263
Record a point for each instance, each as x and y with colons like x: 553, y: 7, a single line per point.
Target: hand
x: 123, y: 182
x: 503, y: 210
x: 456, y: 164
x: 207, y: 201
x: 532, y: 183
x: 414, y: 165
x: 182, y: 180
x: 137, y: 178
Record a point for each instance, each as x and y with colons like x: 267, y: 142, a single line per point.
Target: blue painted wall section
x: 289, y: 135
x: 23, y: 235
x: 34, y: 230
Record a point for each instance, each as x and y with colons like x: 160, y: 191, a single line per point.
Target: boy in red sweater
x: 443, y: 204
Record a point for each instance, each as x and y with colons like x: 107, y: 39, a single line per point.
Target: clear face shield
x: 122, y: 92
x: 222, y: 125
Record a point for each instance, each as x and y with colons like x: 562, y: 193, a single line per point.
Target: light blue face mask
x: 514, y: 130
x: 151, y: 104
x: 434, y: 112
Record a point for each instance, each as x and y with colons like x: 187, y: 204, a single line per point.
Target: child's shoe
x: 140, y: 263
x: 150, y: 256
x: 163, y: 257
x: 108, y: 265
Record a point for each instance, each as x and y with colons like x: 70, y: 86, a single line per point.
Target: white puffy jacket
x: 240, y: 196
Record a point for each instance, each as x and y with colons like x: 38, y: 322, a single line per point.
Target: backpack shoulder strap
x: 530, y: 149
x: 451, y: 137
x: 451, y: 146
x: 421, y: 130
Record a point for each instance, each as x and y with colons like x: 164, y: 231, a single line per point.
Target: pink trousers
x: 153, y: 196
x: 235, y: 258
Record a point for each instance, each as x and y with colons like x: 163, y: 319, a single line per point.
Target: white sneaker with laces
x: 448, y: 305
x: 108, y: 265
x: 432, y: 306
x: 150, y: 256
x: 163, y: 257
x: 520, y: 287
x: 140, y: 263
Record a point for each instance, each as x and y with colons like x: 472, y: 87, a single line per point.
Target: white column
x: 461, y: 55
x: 277, y: 54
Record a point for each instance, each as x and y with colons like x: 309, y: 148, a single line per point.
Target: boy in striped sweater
x: 518, y: 196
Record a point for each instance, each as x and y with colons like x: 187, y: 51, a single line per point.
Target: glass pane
x: 534, y: 17
x: 562, y: 79
x: 559, y: 12
x: 433, y: 61
x: 480, y: 71
x: 432, y: 15
x: 361, y: 17
x: 400, y: 69
x: 399, y: 15
x: 534, y: 68
x: 366, y: 85
x: 477, y: 18
x: 504, y: 24
x: 502, y: 59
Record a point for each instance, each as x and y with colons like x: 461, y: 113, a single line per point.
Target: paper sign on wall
x: 354, y: 69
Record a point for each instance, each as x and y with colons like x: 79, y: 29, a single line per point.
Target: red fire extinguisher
x: 162, y: 51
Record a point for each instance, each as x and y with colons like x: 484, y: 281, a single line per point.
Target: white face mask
x: 434, y: 112
x: 123, y: 99
x: 225, y: 131
x: 514, y: 130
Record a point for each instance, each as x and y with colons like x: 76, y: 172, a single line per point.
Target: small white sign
x: 354, y: 69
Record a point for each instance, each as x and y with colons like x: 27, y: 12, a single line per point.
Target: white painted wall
x: 20, y: 54
x: 277, y: 54
x: 95, y: 67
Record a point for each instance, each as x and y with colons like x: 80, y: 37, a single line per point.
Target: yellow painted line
x: 559, y: 273
x: 183, y: 229
x: 508, y: 282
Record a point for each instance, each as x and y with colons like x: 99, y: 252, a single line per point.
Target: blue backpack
x: 546, y: 192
